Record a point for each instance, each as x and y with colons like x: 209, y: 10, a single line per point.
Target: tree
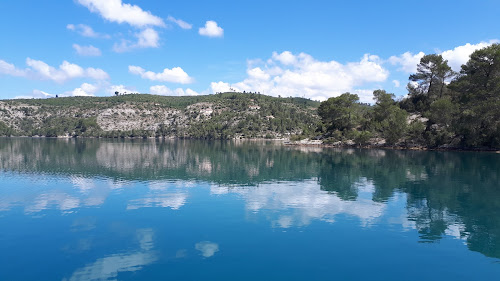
x: 443, y: 112
x: 340, y: 113
x: 433, y: 72
x: 388, y: 118
x: 479, y: 78
x: 478, y: 96
x: 394, y: 127
x: 384, y: 101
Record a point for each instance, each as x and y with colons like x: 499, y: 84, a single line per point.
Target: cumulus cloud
x: 85, y: 90
x: 289, y: 74
x: 461, y: 54
x: 10, y: 69
x: 176, y: 74
x: 89, y: 51
x: 86, y: 31
x: 116, y: 11
x: 96, y: 73
x: 41, y: 70
x: 165, y: 91
x: 396, y: 83
x: 147, y: 38
x: 286, y: 58
x: 182, y: 24
x: 211, y: 29
x: 220, y: 87
x: 407, y: 62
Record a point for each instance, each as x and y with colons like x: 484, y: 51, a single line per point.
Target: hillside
x: 220, y: 116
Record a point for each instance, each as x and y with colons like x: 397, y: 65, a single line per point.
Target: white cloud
x: 456, y: 57
x: 396, y: 83
x: 286, y: 58
x: 407, y: 61
x: 301, y: 75
x: 116, y: 11
x: 86, y: 31
x: 96, y: 73
x: 220, y: 87
x: 258, y: 74
x: 211, y: 29
x: 165, y: 91
x: 365, y: 96
x: 120, y: 88
x: 182, y: 24
x: 461, y: 54
x: 85, y: 90
x: 147, y: 38
x: 10, y: 69
x: 207, y: 248
x: 176, y: 74
x: 36, y: 94
x: 66, y: 71
x: 89, y: 51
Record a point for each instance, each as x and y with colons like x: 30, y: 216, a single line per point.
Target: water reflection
x: 437, y: 194
x: 299, y: 203
x: 108, y: 267
x: 207, y: 248
x: 166, y: 194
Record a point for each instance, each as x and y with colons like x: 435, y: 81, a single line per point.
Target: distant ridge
x: 219, y: 116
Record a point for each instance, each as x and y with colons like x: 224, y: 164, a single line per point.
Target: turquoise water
x: 189, y: 210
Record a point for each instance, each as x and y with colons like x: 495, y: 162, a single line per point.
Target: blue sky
x: 314, y: 49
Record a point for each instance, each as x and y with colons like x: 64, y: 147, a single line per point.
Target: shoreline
x: 285, y: 142
x: 396, y: 147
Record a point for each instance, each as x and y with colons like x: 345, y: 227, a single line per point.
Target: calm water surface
x: 187, y: 210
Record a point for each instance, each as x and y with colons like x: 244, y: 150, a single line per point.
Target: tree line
x: 443, y: 108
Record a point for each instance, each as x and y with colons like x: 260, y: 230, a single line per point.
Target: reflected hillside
x: 444, y: 193
x: 143, y: 160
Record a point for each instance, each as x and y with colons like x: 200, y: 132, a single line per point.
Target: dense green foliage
x: 442, y: 109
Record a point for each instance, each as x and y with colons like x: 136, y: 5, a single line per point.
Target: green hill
x: 219, y: 116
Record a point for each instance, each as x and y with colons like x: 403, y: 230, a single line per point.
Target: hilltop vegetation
x: 220, y: 116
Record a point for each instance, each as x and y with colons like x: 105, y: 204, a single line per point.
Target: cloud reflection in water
x: 107, y: 268
x: 207, y: 248
x: 302, y: 202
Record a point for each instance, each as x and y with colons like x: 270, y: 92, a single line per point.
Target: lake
x: 88, y: 209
